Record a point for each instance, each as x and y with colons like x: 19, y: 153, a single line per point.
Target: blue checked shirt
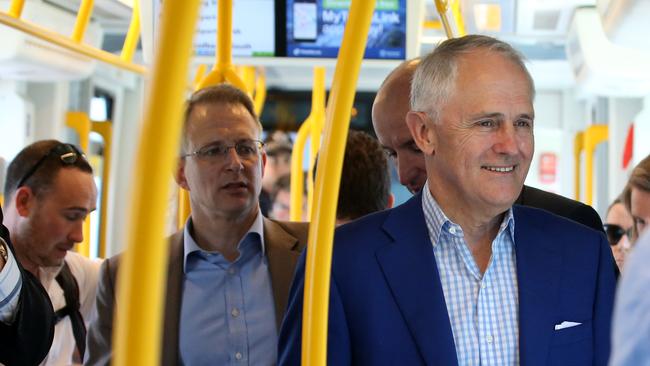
x: 482, y: 308
x: 228, y: 311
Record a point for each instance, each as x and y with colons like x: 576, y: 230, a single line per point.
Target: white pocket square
x: 566, y: 324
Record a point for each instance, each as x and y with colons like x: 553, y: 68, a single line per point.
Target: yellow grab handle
x: 141, y: 279
x: 321, y: 230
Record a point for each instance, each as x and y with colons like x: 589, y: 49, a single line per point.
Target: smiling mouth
x: 499, y: 169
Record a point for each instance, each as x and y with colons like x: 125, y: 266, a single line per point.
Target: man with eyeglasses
x: 230, y: 268
x: 50, y: 191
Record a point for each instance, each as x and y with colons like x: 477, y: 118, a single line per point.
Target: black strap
x: 71, y: 293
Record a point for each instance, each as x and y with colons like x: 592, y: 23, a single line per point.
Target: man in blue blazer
x: 458, y: 275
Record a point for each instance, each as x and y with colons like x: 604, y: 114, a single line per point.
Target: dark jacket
x: 27, y: 341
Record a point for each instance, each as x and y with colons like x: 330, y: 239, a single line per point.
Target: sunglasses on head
x: 615, y: 233
x: 67, y: 154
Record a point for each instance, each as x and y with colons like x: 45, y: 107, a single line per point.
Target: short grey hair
x: 435, y: 77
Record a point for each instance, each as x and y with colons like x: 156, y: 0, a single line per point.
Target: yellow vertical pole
x: 578, y: 147
x: 297, y: 175
x: 200, y: 73
x: 83, y: 16
x: 105, y: 129
x: 131, y: 41
x: 16, y: 8
x: 248, y: 77
x: 224, y: 35
x: 317, y: 117
x: 441, y: 6
x: 593, y: 136
x: 458, y: 17
x: 80, y: 122
x: 184, y: 208
x: 141, y: 279
x: 260, y: 91
x: 321, y: 230
x: 223, y: 69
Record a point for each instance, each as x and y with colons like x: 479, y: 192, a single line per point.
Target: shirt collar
x: 255, y: 232
x: 436, y: 219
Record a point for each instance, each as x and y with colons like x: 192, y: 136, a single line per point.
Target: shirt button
x: 489, y: 339
x: 483, y: 285
x: 238, y: 356
x: 235, y: 312
x: 452, y: 230
x: 232, y: 270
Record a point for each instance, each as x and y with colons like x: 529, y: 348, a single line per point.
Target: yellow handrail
x: 458, y: 17
x: 297, y: 175
x: 80, y: 122
x: 260, y: 91
x: 321, y: 230
x: 223, y: 70
x: 131, y: 40
x: 441, y: 6
x: 83, y: 16
x: 248, y: 77
x: 578, y: 147
x: 69, y: 44
x: 184, y: 208
x: 105, y: 129
x: 594, y: 135
x: 16, y: 8
x: 142, y: 272
x: 317, y: 117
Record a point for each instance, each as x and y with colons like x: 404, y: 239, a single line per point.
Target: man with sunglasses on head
x: 50, y: 191
x: 230, y: 268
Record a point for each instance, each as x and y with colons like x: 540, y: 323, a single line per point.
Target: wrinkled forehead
x: 223, y: 121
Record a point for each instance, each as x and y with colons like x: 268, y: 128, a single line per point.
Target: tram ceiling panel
x: 25, y: 57
x: 601, y: 67
x: 626, y: 22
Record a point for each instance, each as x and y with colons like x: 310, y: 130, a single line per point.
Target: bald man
x: 389, y: 120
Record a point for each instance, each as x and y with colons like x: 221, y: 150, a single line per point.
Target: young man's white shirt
x: 86, y: 272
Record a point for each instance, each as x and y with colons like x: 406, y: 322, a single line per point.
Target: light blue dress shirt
x: 228, y: 312
x: 631, y: 327
x: 483, y: 308
x: 10, y: 285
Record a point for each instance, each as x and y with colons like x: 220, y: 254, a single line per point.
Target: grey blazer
x: 283, y: 240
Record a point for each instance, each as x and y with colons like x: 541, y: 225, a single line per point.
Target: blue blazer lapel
x: 538, y: 274
x: 409, y: 267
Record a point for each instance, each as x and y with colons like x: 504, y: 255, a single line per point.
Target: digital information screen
x: 315, y: 28
x: 253, y: 33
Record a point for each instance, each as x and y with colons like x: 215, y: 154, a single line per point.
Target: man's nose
x: 507, y: 141
x: 77, y: 233
x: 233, y: 159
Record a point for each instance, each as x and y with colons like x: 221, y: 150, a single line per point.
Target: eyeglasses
x: 615, y: 233
x: 245, y: 149
x: 67, y: 153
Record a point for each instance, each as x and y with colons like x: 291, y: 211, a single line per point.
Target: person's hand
x: 3, y: 254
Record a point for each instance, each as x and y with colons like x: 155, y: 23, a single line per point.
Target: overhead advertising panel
x: 253, y: 33
x: 315, y: 28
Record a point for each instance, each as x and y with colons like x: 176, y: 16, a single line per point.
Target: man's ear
x: 263, y: 162
x: 180, y: 178
x: 24, y: 200
x: 421, y: 131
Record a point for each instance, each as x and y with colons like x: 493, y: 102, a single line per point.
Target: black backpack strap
x: 70, y: 288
